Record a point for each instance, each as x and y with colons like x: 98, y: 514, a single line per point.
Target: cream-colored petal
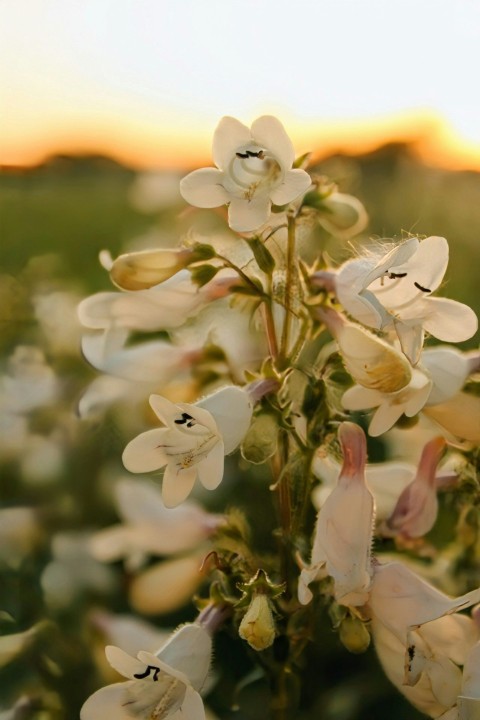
x: 248, y: 215
x: 449, y: 369
x: 411, y: 336
x: 269, y: 133
x: 210, y: 469
x: 384, y: 418
x: 449, y: 320
x: 166, y: 586
x: 108, y: 702
x: 192, y: 706
x: 295, y: 183
x: 232, y: 409
x: 361, y: 398
x: 230, y: 135
x: 177, y: 484
x: 189, y: 650
x: 144, y: 453
x: 204, y: 188
x: 459, y: 415
x: 123, y: 663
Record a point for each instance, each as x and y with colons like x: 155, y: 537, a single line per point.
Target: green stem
x: 270, y: 329
x: 288, y: 288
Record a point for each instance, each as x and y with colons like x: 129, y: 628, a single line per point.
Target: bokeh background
x: 104, y: 105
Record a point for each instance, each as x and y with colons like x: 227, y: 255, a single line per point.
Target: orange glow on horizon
x: 149, y: 146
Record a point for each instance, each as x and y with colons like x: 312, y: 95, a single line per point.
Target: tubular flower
x: 164, y: 685
x: 393, y: 292
x: 439, y: 377
x: 254, y: 170
x: 192, y: 443
x: 343, y: 533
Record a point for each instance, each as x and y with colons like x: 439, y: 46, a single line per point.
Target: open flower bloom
x: 193, y: 442
x: 149, y: 527
x: 343, y: 533
x: 161, y: 307
x: 419, y: 636
x: 394, y: 292
x: 440, y: 375
x: 254, y: 170
x: 468, y: 701
x: 164, y: 685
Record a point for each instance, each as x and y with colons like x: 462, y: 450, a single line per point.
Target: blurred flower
x: 14, y: 645
x: 55, y: 313
x: 143, y: 269
x: 20, y: 535
x: 343, y: 533
x: 161, y: 307
x: 155, y: 190
x: 30, y: 382
x: 392, y: 291
x: 168, y: 585
x: 194, y: 441
x: 254, y: 170
x: 149, y: 527
x: 73, y: 571
x: 468, y: 701
x: 163, y: 685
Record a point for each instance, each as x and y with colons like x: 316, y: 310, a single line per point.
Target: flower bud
x: 258, y: 626
x: 354, y: 635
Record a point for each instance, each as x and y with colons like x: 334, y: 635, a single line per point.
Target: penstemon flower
x: 254, y: 170
x: 193, y: 443
x: 161, y: 685
x: 394, y: 292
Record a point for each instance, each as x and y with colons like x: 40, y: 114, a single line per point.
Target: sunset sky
x: 147, y: 80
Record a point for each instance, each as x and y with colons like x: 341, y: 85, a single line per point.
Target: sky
x: 147, y: 80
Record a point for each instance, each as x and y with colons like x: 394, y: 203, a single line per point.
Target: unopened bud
x: 258, y: 625
x: 354, y: 635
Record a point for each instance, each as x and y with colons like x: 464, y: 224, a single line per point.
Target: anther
x: 423, y: 289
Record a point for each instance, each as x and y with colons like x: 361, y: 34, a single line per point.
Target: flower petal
x: 269, y: 133
x: 384, y: 418
x: 107, y: 702
x: 189, y: 650
x: 210, y: 469
x: 166, y: 586
x: 204, y: 188
x: 448, y: 369
x: 144, y: 453
x: 192, y: 706
x: 177, y: 485
x: 295, y: 183
x: 123, y: 663
x: 449, y: 320
x: 232, y: 409
x: 411, y: 339
x: 230, y: 135
x: 248, y: 215
x: 459, y: 415
x: 361, y: 398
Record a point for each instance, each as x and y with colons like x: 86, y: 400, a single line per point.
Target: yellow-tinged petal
x: 143, y: 270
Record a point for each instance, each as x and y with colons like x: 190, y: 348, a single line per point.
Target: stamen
x: 185, y: 419
x: 155, y: 669
x: 423, y: 289
x: 394, y: 276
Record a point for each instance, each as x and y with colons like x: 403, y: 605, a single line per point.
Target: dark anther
x: 394, y: 276
x: 150, y: 668
x: 411, y: 652
x: 185, y: 419
x: 250, y: 153
x: 421, y: 288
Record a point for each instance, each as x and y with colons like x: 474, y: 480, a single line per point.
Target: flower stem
x: 288, y: 287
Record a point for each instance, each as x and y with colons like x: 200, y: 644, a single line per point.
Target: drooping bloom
x: 394, y: 292
x: 343, y: 533
x: 192, y: 443
x: 163, y: 685
x: 254, y: 170
x: 439, y: 376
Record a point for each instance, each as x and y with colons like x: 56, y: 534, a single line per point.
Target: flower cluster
x: 263, y: 352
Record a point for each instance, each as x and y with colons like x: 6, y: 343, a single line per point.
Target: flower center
x: 253, y: 170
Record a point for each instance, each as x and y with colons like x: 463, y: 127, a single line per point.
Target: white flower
x: 394, y: 292
x: 343, y: 533
x: 164, y: 685
x: 149, y: 527
x: 193, y: 443
x: 161, y: 307
x: 440, y: 375
x: 254, y: 171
